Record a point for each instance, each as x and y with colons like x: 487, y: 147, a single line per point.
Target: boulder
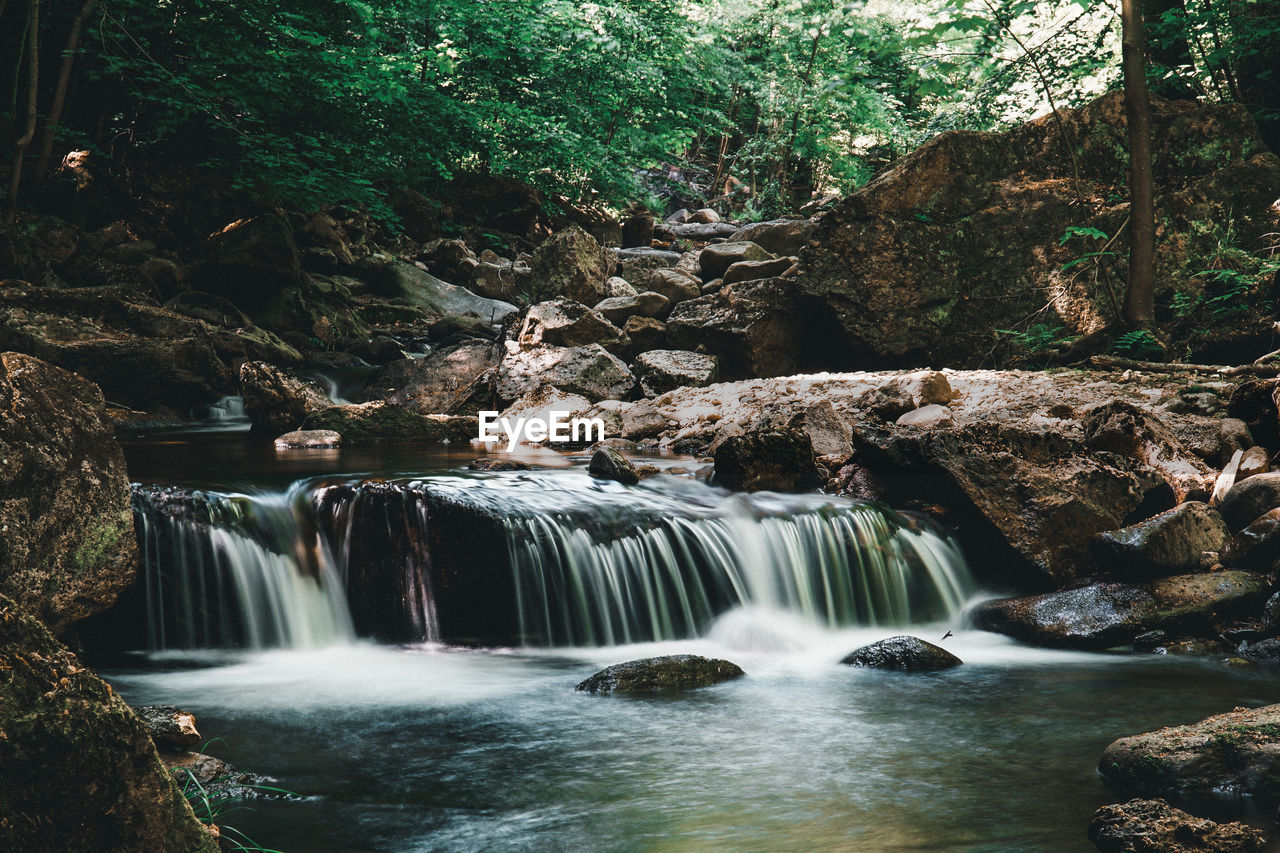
x: 616, y: 309
x: 661, y: 674
x: 829, y: 432
x: 1254, y: 461
x: 926, y: 417
x: 1251, y: 498
x: 1121, y: 427
x: 278, y: 399
x: 751, y: 270
x: 751, y: 327
x: 1148, y: 826
x: 540, y: 402
x: 780, y: 236
x: 717, y: 258
x: 365, y: 422
x: 450, y: 259
x: 608, y: 464
x: 169, y: 726
x: 422, y: 289
x: 636, y: 264
x: 703, y: 214
x: 766, y: 460
x: 698, y: 232
x: 646, y: 333
x: 1257, y: 547
x: 1169, y: 543
x: 301, y: 439
x: 563, y: 322
x: 662, y: 370
x: 1102, y: 615
x: 440, y: 383
x: 500, y: 281
x: 615, y: 286
x: 571, y: 263
x: 674, y: 285
x: 589, y: 371
x: 493, y: 463
x: 904, y: 653
x: 80, y: 770
x: 637, y: 229
x: 68, y: 547
x: 1237, y: 753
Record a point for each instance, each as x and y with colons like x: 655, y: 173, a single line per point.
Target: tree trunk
x: 1139, y: 306
x: 33, y: 88
x: 60, y: 92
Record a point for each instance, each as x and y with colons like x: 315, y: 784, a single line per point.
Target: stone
x: 1121, y: 427
x: 703, y: 214
x: 660, y: 371
x: 277, y: 399
x: 903, y: 653
x: 637, y: 230
x: 1236, y: 753
x: 1226, y: 479
x: 381, y: 421
x: 504, y: 282
x: 1254, y: 461
x: 608, y: 464
x: 68, y: 547
x: 251, y: 262
x: 646, y: 333
x: 1154, y: 826
x: 440, y: 383
x: 674, y: 285
x: 751, y: 327
x: 780, y: 236
x: 80, y: 769
x: 1251, y: 498
x: 928, y: 387
x: 615, y: 286
x: 571, y: 263
x: 697, y: 232
x: 927, y: 417
x: 420, y: 288
x: 635, y: 264
x: 1233, y: 435
x: 1169, y: 543
x: 889, y: 401
x: 751, y: 270
x: 616, y: 309
x: 766, y: 460
x: 169, y: 726
x: 1257, y: 547
x: 589, y: 371
x: 312, y: 438
x: 563, y: 322
x: 717, y: 258
x: 662, y: 674
x: 493, y: 463
x: 829, y: 433
x: 539, y: 404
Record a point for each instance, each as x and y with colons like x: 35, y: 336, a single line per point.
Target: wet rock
x: 1251, y: 498
x: 440, y: 383
x: 1234, y: 753
x: 494, y: 463
x: 1169, y: 543
x: 303, y: 439
x: 662, y: 674
x: 1148, y: 826
x: 780, y: 236
x: 608, y: 464
x: 660, y: 371
x: 278, y: 399
x: 751, y: 270
x: 616, y: 309
x: 927, y: 417
x: 571, y: 264
x: 674, y: 285
x: 750, y: 326
x: 67, y: 547
x: 170, y: 727
x: 904, y: 653
x: 563, y: 322
x: 1267, y: 650
x: 1271, y: 615
x: 766, y: 460
x: 1102, y: 615
x: 1121, y: 427
x: 363, y: 422
x: 716, y: 259
x: 80, y: 769
x: 589, y: 371
x: 541, y: 403
x: 1257, y: 547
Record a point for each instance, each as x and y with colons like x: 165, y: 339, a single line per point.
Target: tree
x: 1139, y: 305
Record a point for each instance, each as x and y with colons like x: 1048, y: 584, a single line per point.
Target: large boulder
x: 717, y: 258
x: 634, y: 265
x: 661, y: 674
x: 443, y: 382
x: 780, y: 236
x: 663, y: 370
x: 904, y: 653
x: 278, y: 399
x: 1121, y: 427
x: 766, y: 460
x: 751, y: 270
x: 589, y: 370
x: 1257, y: 547
x: 751, y: 327
x: 80, y: 771
x: 1236, y: 753
x: 1154, y: 826
x: 571, y: 264
x: 381, y: 421
x: 1249, y: 499
x: 68, y: 547
x: 964, y: 236
x: 617, y: 309
x: 1169, y: 543
x: 676, y: 286
x: 563, y: 322
x: 252, y: 262
x: 420, y: 288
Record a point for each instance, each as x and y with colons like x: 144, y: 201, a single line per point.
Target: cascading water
x: 228, y: 413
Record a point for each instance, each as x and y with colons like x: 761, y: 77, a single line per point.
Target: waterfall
x: 227, y: 413
x: 234, y: 570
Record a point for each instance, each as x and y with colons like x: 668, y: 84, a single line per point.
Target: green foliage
x: 1138, y: 344
x: 1037, y: 338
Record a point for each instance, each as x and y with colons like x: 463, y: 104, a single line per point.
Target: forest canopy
x: 772, y: 101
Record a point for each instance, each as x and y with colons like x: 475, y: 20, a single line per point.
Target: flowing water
x: 261, y: 601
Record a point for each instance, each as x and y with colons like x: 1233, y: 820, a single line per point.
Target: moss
x: 101, y: 543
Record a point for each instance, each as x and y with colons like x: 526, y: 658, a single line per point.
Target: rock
x: 1154, y: 826
x: 908, y: 654
x: 674, y: 285
x: 68, y: 547
x: 589, y: 371
x: 637, y: 230
x: 928, y: 387
x: 311, y: 438
x: 751, y: 270
x: 646, y: 333
x: 988, y: 209
x: 828, y: 432
x: 506, y: 282
x: 1237, y: 753
x: 716, y: 259
x: 663, y: 370
x: 571, y: 263
x: 889, y: 401
x: 251, y: 262
x: 541, y: 402
x: 384, y: 350
x: 1271, y: 615
x: 780, y: 236
x: 1253, y: 402
x: 1254, y: 461
x: 1267, y: 650
x: 362, y: 422
x: 608, y: 464
x: 420, y: 288
x: 80, y: 770
x: 1121, y: 427
x: 615, y: 287
x: 1233, y: 435
x: 661, y: 674
x: 278, y: 399
x: 440, y: 383
x: 1102, y: 615
x: 766, y: 460
x: 751, y: 327
x: 491, y: 463
x: 698, y: 232
x: 636, y: 264
x: 170, y: 727
x: 1226, y: 479
x: 449, y: 259
x: 927, y: 417
x: 1251, y: 498
x: 1169, y: 543
x: 1257, y: 547
x: 703, y: 214
x: 616, y: 309
x: 563, y: 322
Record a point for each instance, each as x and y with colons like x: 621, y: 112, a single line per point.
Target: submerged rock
x: 661, y: 674
x: 1234, y: 753
x: 905, y: 653
x: 608, y: 464
x: 495, y: 463
x: 1169, y: 543
x: 1154, y: 826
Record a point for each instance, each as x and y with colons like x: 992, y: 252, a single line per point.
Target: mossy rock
x: 669, y: 673
x: 367, y: 422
